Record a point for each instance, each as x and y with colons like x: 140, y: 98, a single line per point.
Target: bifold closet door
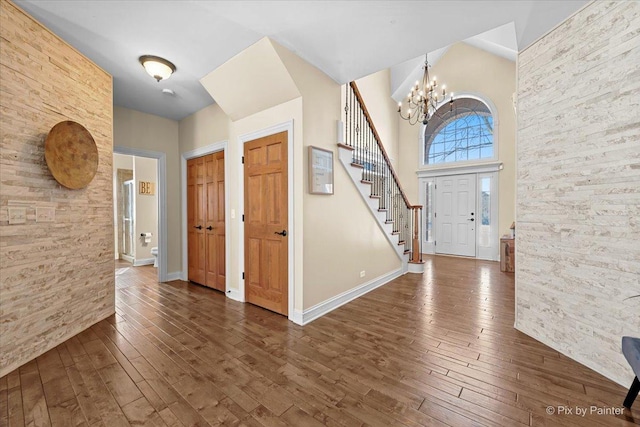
x: 206, y: 220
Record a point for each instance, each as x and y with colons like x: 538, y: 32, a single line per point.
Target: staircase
x: 367, y: 163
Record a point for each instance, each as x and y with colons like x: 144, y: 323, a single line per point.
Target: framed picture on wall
x: 320, y: 171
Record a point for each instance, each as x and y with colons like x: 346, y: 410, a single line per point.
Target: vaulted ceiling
x: 345, y: 39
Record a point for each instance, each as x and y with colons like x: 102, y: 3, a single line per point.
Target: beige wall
x: 335, y: 237
x: 134, y: 129
x: 146, y: 207
x: 464, y: 68
x: 57, y: 278
x: 376, y: 93
x: 204, y: 127
x: 578, y: 234
x: 341, y: 237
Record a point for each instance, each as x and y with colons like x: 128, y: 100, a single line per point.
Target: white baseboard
x: 175, y: 275
x: 415, y: 268
x: 297, y: 317
x: 127, y: 258
x: 235, y: 295
x: 144, y: 261
x: 319, y: 310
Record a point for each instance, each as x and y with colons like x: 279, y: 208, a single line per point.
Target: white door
x: 455, y: 215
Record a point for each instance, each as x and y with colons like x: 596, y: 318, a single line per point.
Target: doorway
x: 159, y: 206
x: 135, y: 209
x: 206, y: 221
x: 266, y: 242
x: 461, y: 214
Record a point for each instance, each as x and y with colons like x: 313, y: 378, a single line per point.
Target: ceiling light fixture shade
x: 422, y: 102
x: 156, y: 67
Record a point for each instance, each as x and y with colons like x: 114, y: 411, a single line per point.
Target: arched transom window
x: 459, y: 134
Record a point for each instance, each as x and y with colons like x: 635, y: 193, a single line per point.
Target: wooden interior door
x: 266, y: 220
x: 195, y: 220
x: 215, y: 230
x: 206, y: 220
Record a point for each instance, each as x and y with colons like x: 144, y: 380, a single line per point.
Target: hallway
x: 437, y: 349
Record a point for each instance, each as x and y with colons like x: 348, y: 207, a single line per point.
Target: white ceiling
x: 346, y: 39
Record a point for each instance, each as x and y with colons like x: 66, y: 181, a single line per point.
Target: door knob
x: 471, y: 219
x: 282, y: 233
x: 199, y: 227
x: 209, y: 228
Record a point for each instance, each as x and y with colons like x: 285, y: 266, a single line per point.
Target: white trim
x: 144, y: 261
x: 199, y: 152
x: 174, y: 275
x: 460, y: 169
x: 242, y: 139
x: 320, y: 309
x: 417, y: 268
x: 128, y: 258
x: 491, y: 253
x: 235, y: 295
x: 162, y: 202
x: 496, y: 124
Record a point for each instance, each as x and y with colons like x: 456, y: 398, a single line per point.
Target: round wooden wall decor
x: 71, y: 154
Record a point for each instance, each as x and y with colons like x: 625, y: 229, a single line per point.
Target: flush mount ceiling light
x: 156, y: 67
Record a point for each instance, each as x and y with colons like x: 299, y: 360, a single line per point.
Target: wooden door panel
x: 214, y: 191
x: 266, y: 213
x: 205, y: 220
x: 219, y: 224
x: 195, y: 236
x: 272, y: 187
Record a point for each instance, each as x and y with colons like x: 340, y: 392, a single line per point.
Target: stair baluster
x: 370, y: 155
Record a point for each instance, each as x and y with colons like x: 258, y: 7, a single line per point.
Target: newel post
x: 416, y: 254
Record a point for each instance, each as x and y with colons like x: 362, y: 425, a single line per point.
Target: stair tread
x: 357, y: 165
x: 348, y: 147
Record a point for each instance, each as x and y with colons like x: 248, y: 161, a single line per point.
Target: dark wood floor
x: 432, y: 350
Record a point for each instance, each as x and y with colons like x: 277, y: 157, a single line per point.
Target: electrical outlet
x: 362, y: 273
x: 45, y: 214
x: 17, y: 215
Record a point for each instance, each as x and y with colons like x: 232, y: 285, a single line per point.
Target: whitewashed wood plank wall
x: 578, y: 186
x: 57, y: 278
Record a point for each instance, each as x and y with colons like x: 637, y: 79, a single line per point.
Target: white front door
x: 455, y: 215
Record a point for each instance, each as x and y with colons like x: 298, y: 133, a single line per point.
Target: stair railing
x: 361, y: 136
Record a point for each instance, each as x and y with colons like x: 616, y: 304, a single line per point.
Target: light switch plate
x: 45, y: 214
x: 17, y: 215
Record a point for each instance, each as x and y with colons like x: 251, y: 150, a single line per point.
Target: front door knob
x: 282, y: 233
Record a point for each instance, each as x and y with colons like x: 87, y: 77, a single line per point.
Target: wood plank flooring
x: 431, y: 350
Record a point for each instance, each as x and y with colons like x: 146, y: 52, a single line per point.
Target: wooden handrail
x: 379, y: 142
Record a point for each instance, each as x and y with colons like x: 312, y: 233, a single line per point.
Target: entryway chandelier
x: 422, y: 102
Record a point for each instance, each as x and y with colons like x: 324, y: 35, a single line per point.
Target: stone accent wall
x: 57, y: 278
x: 578, y: 186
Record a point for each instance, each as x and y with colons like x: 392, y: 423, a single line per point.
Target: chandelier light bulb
x: 422, y: 102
